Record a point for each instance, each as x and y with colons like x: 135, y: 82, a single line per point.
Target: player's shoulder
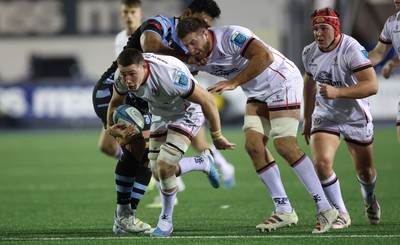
x: 309, y: 49
x: 394, y: 18
x: 232, y: 29
x: 349, y: 43
x: 232, y: 34
x: 161, y: 19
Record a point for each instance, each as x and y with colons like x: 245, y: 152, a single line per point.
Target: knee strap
x: 257, y: 123
x: 283, y: 127
x: 154, y: 152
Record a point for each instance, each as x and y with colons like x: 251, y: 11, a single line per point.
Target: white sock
x: 197, y: 163
x: 332, y: 191
x: 306, y: 172
x: 168, y: 201
x: 367, y: 189
x: 271, y: 177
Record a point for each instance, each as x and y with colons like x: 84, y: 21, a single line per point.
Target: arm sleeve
x: 357, y: 58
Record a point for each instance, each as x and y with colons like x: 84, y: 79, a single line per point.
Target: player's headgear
x: 326, y: 16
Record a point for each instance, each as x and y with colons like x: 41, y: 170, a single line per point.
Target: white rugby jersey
x: 336, y: 68
x: 120, y: 42
x: 166, y: 87
x: 390, y: 34
x: 226, y: 60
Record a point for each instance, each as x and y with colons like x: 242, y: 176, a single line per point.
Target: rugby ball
x: 128, y: 115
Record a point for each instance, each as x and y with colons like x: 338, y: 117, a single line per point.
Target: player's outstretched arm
x: 210, y: 110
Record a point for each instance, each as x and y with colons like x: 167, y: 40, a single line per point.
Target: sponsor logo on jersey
x: 306, y: 51
x: 396, y: 29
x: 238, y: 39
x: 326, y: 78
x: 220, y: 72
x: 157, y: 25
x: 181, y: 80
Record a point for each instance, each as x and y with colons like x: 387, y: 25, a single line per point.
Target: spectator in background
x: 337, y: 81
x: 389, y: 38
x: 273, y: 86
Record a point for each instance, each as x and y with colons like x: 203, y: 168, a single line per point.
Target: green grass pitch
x: 57, y: 188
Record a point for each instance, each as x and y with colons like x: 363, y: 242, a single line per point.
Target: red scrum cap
x: 326, y: 16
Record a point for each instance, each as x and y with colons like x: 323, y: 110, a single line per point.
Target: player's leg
x: 133, y: 175
x: 164, y: 164
x: 362, y: 155
x: 200, y: 143
x: 323, y: 148
x: 108, y: 145
x: 125, y: 219
x: 203, y: 162
x: 256, y: 127
x: 284, y: 126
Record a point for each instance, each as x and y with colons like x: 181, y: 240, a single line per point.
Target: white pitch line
x: 195, y: 237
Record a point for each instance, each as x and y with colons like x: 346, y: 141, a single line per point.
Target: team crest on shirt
x: 364, y: 53
x: 181, y: 80
x: 155, y: 92
x: 238, y: 38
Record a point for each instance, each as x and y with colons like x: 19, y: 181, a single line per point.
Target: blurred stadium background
x: 53, y: 51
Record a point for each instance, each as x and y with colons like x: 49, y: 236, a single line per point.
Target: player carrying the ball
x: 156, y: 34
x: 177, y: 104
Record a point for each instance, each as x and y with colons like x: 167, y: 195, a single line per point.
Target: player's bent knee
x: 173, y: 149
x: 170, y: 155
x: 284, y: 127
x: 257, y: 123
x: 169, y: 183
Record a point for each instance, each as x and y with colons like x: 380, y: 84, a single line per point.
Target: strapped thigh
x: 283, y: 127
x: 173, y: 149
x: 257, y: 123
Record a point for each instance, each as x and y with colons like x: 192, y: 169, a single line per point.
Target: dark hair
x: 209, y: 7
x: 130, y: 56
x: 189, y: 25
x: 131, y: 2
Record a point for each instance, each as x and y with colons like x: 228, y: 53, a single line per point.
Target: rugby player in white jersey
x: 389, y: 38
x: 178, y: 106
x: 152, y: 42
x: 156, y: 34
x: 337, y: 81
x: 273, y: 86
